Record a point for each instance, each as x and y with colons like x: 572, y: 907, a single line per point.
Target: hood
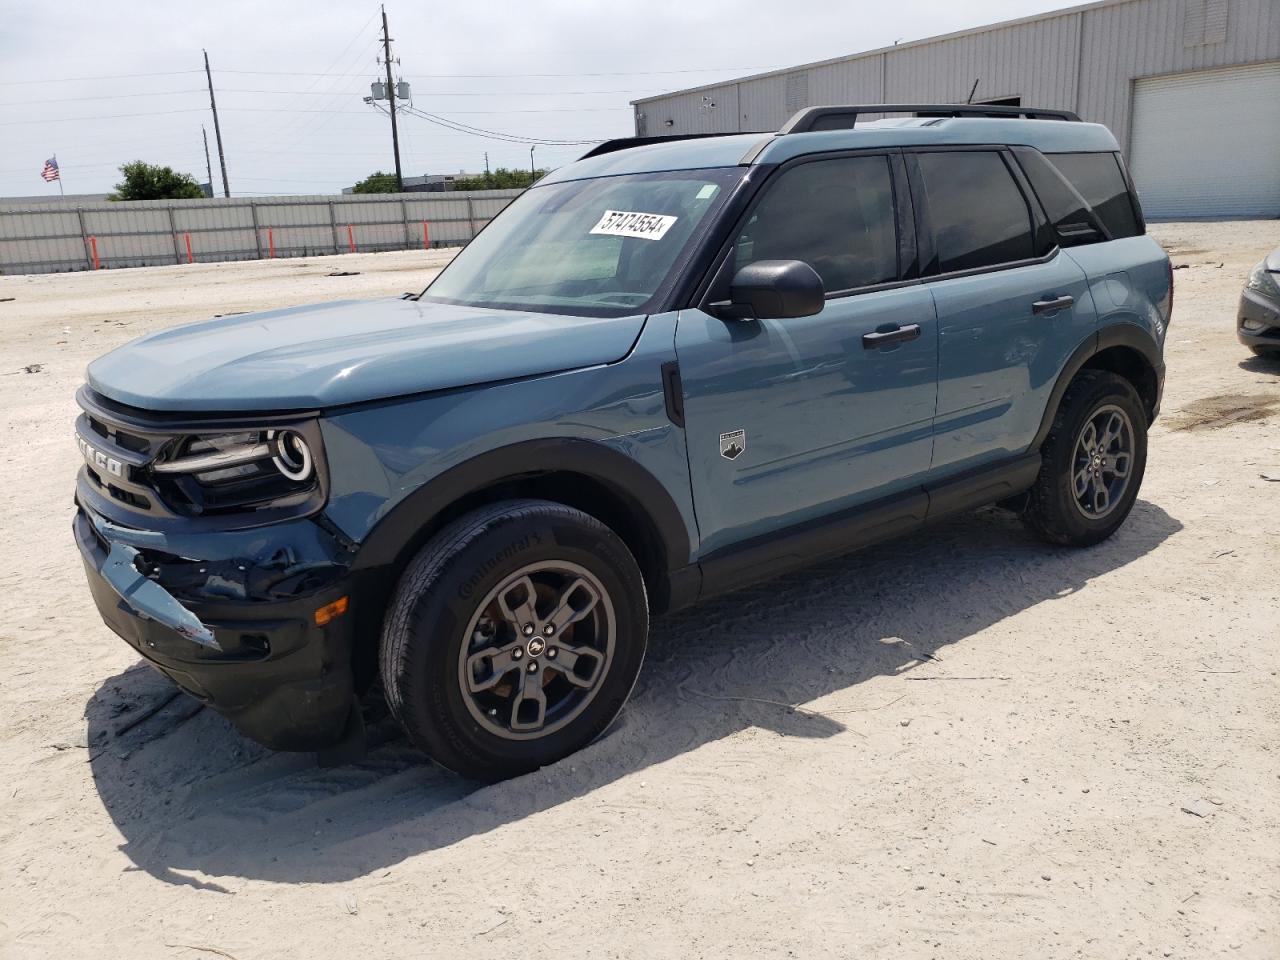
x: 332, y: 354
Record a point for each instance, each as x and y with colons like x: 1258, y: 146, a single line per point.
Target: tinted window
x: 979, y: 216
x: 1073, y: 221
x: 835, y: 215
x: 1098, y: 178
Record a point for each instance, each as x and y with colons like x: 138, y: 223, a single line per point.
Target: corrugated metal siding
x: 1145, y: 38
x: 46, y: 238
x: 1085, y: 59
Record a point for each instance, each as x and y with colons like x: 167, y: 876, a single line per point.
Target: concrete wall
x: 46, y: 238
x: 1083, y: 59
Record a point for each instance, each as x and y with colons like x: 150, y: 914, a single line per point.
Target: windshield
x: 596, y: 248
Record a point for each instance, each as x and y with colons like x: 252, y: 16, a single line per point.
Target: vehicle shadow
x: 1261, y: 364
x: 191, y: 796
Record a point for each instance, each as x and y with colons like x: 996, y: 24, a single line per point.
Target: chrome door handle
x: 884, y: 338
x: 1049, y: 306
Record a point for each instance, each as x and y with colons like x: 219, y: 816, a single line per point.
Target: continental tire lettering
x: 469, y: 585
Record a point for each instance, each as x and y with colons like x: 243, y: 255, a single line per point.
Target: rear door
x: 1010, y: 312
x: 791, y: 420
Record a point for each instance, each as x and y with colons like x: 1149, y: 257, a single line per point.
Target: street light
x: 533, y: 172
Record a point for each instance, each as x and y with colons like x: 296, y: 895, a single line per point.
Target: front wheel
x: 514, y: 638
x: 1092, y: 462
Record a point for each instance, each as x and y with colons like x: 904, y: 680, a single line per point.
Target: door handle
x: 1050, y: 305
x: 884, y: 338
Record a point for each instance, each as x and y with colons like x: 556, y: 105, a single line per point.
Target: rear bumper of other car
x: 268, y: 666
x: 1258, y: 321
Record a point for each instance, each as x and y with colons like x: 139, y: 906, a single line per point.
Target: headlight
x: 247, y: 469
x: 290, y: 454
x: 1263, y: 281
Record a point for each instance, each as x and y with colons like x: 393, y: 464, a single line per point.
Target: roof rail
x: 844, y: 117
x: 625, y: 143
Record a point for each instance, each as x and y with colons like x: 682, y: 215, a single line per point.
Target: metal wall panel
x: 1084, y: 58
x: 52, y: 237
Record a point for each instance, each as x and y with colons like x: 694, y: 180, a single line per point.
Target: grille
x: 131, y: 455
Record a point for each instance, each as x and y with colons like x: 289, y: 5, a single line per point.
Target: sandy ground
x: 993, y: 748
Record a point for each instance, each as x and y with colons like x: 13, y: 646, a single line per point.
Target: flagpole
x: 61, y: 192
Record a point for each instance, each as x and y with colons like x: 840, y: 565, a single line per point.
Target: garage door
x: 1207, y: 144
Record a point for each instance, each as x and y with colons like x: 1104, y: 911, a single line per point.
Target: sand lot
x: 994, y: 744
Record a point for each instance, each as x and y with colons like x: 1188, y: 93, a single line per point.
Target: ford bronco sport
x: 670, y: 369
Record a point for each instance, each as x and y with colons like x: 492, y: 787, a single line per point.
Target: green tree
x: 500, y: 179
x: 377, y: 183
x: 149, y: 181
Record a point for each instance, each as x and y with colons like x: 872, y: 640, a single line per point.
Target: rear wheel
x: 514, y: 638
x: 1092, y: 462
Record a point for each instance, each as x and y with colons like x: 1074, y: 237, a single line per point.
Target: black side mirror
x: 773, y: 289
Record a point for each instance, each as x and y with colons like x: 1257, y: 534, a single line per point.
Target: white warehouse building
x: 1190, y: 88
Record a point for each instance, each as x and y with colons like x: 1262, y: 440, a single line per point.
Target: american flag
x: 50, y: 171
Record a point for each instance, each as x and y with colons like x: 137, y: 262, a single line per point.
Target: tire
x: 457, y: 666
x: 1267, y: 353
x: 1056, y: 510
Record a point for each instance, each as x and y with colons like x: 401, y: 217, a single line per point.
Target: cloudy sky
x: 100, y: 83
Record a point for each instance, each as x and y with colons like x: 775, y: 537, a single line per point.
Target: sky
x: 99, y: 84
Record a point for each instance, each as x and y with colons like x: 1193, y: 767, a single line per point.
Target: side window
x: 1098, y: 178
x: 979, y: 216
x: 835, y: 215
x: 1073, y: 220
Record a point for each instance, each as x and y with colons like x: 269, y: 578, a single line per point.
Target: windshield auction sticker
x: 625, y: 223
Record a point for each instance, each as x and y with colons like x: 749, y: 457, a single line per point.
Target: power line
x: 485, y: 76
x: 490, y: 134
x: 460, y: 93
x: 114, y: 96
x: 117, y: 76
x: 101, y: 116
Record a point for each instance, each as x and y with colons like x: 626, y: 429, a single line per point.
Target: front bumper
x: 264, y: 664
x: 1261, y: 314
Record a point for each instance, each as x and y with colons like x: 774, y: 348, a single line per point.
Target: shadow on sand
x: 189, y: 794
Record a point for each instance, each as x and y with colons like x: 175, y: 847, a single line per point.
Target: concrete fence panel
x: 54, y: 237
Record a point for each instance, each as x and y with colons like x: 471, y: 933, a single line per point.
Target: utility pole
x: 208, y: 167
x: 486, y: 163
x: 217, y: 130
x: 391, y: 97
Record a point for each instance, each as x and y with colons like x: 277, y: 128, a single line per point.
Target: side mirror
x: 773, y: 290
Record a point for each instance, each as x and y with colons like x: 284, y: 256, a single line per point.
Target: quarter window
x: 835, y: 215
x: 979, y: 216
x: 1098, y: 178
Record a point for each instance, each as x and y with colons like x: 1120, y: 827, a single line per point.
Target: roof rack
x: 844, y: 117
x: 625, y: 143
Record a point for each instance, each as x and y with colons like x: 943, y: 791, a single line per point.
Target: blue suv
x: 672, y: 368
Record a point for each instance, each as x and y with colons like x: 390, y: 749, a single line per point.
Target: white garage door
x: 1208, y: 144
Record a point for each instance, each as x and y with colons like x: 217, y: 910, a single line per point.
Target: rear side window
x: 1073, y: 222
x: 836, y: 215
x: 1098, y: 178
x: 979, y: 215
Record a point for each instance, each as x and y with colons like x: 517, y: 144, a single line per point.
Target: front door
x: 789, y: 420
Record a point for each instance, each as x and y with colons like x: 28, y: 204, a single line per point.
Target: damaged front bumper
x: 235, y: 629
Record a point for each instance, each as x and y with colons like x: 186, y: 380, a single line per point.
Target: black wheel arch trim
x: 624, y: 478
x: 1117, y: 335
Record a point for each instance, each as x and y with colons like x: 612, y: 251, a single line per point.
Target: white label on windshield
x: 625, y: 223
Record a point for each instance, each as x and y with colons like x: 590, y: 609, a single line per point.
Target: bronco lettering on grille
x: 99, y: 460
